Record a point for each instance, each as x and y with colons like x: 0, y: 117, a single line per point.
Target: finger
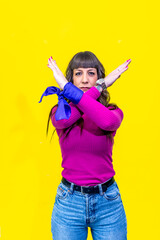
x: 122, y: 66
x: 57, y: 68
x: 49, y: 61
x: 55, y: 65
x: 125, y: 69
x: 51, y: 64
x: 128, y: 62
x: 53, y: 61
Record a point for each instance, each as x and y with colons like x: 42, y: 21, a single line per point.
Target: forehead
x: 84, y: 69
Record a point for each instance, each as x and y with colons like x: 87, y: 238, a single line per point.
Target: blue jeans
x: 74, y: 212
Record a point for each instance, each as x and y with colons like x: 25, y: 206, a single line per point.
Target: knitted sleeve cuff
x: 73, y: 93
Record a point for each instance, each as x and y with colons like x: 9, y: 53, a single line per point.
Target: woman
x: 88, y: 195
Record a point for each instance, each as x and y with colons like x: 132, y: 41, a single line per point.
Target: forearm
x: 103, y: 117
x: 76, y: 113
x: 65, y: 123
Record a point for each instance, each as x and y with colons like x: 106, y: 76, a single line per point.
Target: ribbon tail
x: 49, y: 91
x: 63, y: 110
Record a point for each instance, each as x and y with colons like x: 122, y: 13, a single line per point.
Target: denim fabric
x: 74, y: 212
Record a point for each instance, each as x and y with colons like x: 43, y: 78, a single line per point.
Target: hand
x: 114, y: 75
x: 58, y: 75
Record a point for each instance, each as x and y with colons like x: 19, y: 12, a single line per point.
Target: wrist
x: 73, y: 93
x: 101, y: 83
x: 99, y: 88
x: 61, y: 85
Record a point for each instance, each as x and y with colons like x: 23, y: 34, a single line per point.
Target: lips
x: 84, y: 88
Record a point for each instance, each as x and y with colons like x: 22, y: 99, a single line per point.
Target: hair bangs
x: 84, y: 60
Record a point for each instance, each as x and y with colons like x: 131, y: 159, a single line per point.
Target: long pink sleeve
x: 91, y: 163
x: 76, y: 113
x: 102, y: 116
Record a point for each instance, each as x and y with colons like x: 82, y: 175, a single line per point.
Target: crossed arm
x: 76, y: 113
x: 103, y: 117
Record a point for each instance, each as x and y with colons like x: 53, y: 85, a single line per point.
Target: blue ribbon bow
x: 64, y: 109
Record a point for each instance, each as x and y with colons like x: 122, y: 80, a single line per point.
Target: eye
x: 91, y: 73
x: 78, y: 73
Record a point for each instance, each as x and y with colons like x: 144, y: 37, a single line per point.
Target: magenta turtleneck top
x: 87, y: 158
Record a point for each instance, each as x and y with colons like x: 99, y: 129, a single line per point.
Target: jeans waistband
x: 89, y: 189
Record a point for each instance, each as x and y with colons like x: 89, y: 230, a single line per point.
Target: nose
x: 84, y: 78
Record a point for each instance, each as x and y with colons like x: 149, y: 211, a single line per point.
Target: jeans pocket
x: 62, y: 191
x: 112, y: 192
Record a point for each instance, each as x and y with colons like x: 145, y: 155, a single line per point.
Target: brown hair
x: 85, y: 60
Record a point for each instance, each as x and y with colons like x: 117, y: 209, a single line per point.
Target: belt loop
x: 100, y: 189
x: 82, y: 190
x: 71, y: 187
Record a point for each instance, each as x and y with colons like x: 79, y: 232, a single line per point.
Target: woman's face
x: 85, y: 78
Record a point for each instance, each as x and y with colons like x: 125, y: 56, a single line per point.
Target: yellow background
x: 30, y: 167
